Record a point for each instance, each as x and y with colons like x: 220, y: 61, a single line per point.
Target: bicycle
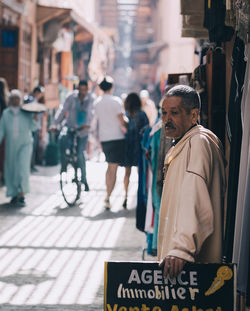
x: 70, y: 174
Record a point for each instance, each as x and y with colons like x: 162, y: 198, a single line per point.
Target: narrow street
x: 51, y: 256
x: 162, y: 86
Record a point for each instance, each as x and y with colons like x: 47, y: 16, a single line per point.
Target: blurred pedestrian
x: 77, y: 111
x: 4, y: 98
x: 4, y: 95
x: 36, y: 96
x: 111, y: 124
x: 190, y: 223
x: 137, y: 120
x: 16, y: 127
x: 148, y: 106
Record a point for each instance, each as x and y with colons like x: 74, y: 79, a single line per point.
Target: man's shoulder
x: 117, y: 99
x: 204, y: 151
x: 72, y: 95
x: 6, y: 111
x: 204, y: 137
x: 199, y: 138
x: 98, y: 100
x: 92, y: 96
x: 201, y: 146
x: 70, y: 99
x: 110, y: 99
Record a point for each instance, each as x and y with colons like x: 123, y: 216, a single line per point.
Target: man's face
x: 15, y: 101
x: 174, y: 116
x: 83, y: 90
x: 38, y: 95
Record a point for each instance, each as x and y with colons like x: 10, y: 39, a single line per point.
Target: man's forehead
x: 172, y: 102
x: 83, y: 87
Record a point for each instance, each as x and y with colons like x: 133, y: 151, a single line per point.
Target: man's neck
x: 108, y: 92
x: 175, y: 141
x: 81, y: 97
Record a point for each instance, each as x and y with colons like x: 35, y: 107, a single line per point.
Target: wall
x: 28, y: 50
x: 179, y: 56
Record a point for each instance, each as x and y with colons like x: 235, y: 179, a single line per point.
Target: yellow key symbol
x: 224, y: 273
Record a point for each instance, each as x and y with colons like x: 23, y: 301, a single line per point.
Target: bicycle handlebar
x: 73, y: 130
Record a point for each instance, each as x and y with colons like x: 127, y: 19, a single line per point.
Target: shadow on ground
x: 109, y: 214
x: 32, y: 276
x: 8, y: 209
x: 69, y: 211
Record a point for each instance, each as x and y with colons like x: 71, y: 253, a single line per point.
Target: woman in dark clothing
x: 137, y: 121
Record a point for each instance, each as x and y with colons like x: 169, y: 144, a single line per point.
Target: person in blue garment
x: 137, y: 121
x: 78, y: 112
x: 16, y: 127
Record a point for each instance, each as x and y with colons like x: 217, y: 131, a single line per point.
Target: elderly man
x: 190, y: 225
x: 16, y: 127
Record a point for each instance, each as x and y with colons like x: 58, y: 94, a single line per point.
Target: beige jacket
x: 190, y: 223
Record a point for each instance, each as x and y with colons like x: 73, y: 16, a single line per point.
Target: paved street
x: 51, y: 256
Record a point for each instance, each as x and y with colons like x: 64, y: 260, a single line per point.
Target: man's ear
x: 195, y: 115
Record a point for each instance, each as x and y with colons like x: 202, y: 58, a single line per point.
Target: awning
x: 14, y: 6
x: 86, y: 31
x: 45, y: 14
x: 91, y: 28
x: 192, y: 12
x: 102, y: 49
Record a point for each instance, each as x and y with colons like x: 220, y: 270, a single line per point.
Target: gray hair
x: 15, y: 93
x: 190, y: 98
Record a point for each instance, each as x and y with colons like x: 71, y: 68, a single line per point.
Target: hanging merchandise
x: 234, y: 133
x: 215, y: 77
x: 142, y: 180
x: 214, y: 21
x: 156, y: 195
x: 64, y: 41
x: 243, y: 19
x: 242, y: 224
x: 198, y: 82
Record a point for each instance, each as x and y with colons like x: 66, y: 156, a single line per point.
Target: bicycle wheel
x: 70, y: 183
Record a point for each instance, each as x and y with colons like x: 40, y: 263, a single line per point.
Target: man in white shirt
x: 111, y: 121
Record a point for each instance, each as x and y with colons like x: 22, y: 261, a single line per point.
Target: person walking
x: 77, y: 110
x: 148, y: 106
x: 111, y: 123
x: 190, y: 222
x: 137, y: 120
x: 16, y: 127
x: 36, y: 96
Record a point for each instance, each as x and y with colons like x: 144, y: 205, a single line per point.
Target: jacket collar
x: 197, y: 130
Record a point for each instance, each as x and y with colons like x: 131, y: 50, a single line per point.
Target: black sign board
x: 140, y: 286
